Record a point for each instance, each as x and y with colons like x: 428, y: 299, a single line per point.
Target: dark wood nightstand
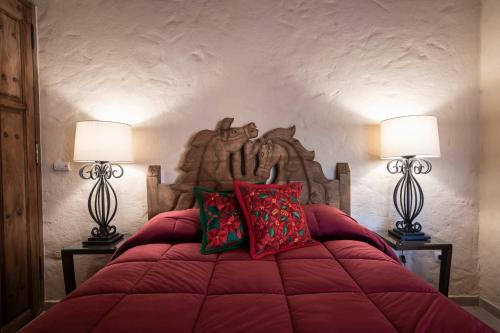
x: 78, y: 248
x: 433, y: 244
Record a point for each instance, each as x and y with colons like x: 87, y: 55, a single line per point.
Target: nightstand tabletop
x: 397, y: 244
x: 79, y: 248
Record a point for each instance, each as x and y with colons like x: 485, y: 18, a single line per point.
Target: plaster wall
x: 489, y: 225
x: 332, y: 68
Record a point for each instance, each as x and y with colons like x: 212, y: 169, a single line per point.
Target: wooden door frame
x: 33, y: 160
x: 37, y: 248
x: 40, y: 300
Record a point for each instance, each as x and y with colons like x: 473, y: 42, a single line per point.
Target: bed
x: 158, y: 281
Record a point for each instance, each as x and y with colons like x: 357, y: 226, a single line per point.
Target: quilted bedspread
x: 349, y: 282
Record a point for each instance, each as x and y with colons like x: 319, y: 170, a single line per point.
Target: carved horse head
x: 233, y: 138
x: 270, y: 155
x: 230, y: 140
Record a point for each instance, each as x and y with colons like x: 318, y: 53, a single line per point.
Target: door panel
x: 15, y: 228
x: 21, y: 265
x: 10, y: 57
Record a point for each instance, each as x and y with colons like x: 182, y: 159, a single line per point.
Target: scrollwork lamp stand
x: 102, y: 202
x: 408, y: 196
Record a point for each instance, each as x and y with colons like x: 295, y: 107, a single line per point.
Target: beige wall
x: 332, y: 68
x: 489, y: 229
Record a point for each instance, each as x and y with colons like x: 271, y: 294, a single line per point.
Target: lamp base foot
x: 92, y: 241
x: 409, y: 236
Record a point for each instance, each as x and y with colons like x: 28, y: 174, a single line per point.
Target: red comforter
x: 350, y: 282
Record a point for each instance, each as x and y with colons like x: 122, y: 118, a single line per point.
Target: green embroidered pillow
x: 222, y: 224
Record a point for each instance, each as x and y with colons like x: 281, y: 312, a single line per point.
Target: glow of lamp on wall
x: 407, y: 141
x: 103, y: 144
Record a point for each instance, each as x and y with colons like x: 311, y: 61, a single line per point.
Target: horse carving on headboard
x: 215, y: 157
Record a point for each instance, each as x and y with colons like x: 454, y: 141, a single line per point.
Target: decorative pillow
x: 275, y: 218
x: 222, y: 225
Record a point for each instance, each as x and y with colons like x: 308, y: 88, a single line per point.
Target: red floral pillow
x: 275, y: 218
x: 222, y: 224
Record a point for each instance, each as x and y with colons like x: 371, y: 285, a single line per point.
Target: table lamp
x: 103, y: 144
x: 407, y: 141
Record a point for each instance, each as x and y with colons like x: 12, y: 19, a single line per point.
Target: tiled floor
x: 485, y: 316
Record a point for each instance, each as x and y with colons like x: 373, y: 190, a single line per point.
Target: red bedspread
x: 350, y: 282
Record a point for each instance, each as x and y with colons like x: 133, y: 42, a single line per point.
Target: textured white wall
x: 489, y: 226
x: 333, y: 68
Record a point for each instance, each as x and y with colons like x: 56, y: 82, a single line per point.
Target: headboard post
x: 153, y: 180
x: 343, y: 174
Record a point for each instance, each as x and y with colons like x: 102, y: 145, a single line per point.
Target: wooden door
x: 21, y: 278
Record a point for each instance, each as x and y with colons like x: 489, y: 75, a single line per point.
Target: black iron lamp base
x: 409, y: 236
x: 102, y: 202
x: 93, y: 241
x: 408, y: 197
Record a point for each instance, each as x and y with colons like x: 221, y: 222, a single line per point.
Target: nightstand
x: 433, y: 244
x: 78, y: 248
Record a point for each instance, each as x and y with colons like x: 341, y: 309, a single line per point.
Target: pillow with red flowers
x: 222, y: 224
x: 275, y: 218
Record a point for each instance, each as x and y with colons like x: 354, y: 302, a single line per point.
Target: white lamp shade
x: 103, y: 141
x: 410, y: 136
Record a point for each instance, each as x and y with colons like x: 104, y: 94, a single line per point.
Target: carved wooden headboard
x: 214, y: 157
